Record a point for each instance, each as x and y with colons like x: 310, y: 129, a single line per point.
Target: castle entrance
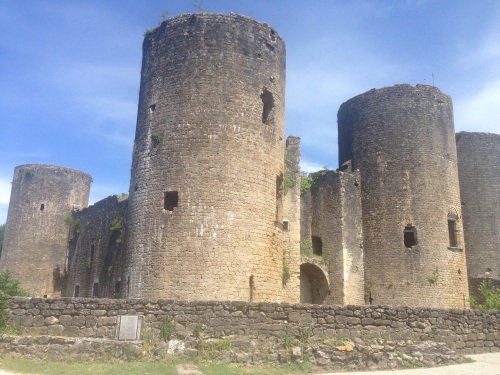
x: 313, y: 284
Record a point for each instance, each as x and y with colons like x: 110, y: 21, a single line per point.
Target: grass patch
x: 168, y: 367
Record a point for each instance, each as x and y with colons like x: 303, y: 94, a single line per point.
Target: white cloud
x: 3, y: 212
x: 480, y: 111
x: 307, y: 166
x: 5, y: 187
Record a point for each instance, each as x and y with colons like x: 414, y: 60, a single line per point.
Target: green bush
x: 9, y: 287
x: 489, y: 295
x: 167, y: 330
x: 116, y: 225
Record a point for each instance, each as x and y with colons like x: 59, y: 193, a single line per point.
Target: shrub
x: 489, y: 295
x: 9, y: 287
x: 167, y: 330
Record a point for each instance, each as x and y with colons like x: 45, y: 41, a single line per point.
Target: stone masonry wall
x: 336, y: 207
x: 402, y: 140
x: 205, y: 208
x: 466, y: 331
x: 36, y: 234
x: 95, y: 253
x: 291, y: 220
x: 479, y: 174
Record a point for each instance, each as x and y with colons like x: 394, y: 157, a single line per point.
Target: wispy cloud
x: 307, y: 166
x: 5, y: 188
x: 480, y: 111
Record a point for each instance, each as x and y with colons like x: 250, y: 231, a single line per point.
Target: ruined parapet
x: 95, y: 255
x: 337, y: 240
x: 38, y: 229
x: 402, y: 139
x: 205, y: 208
x: 291, y: 221
x: 479, y: 174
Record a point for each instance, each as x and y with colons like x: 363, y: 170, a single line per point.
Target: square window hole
x: 171, y: 200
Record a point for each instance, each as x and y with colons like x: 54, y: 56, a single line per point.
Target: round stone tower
x: 205, y: 205
x: 37, y: 231
x: 479, y: 173
x: 403, y: 141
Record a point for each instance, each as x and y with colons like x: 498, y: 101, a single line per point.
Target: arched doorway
x: 313, y: 284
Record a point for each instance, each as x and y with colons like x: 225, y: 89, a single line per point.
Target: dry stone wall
x: 402, y: 140
x: 96, y: 252
x: 479, y: 174
x: 206, y: 194
x: 252, y: 327
x: 36, y: 234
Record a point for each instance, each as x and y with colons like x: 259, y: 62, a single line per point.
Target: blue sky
x: 70, y: 70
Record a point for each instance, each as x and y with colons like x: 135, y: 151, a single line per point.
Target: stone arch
x: 314, y: 283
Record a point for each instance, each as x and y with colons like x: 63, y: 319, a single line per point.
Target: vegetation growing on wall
x: 2, y: 233
x: 490, y: 297
x: 307, y: 183
x: 72, y: 223
x: 286, y: 269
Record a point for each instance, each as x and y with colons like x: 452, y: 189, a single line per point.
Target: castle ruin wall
x: 206, y: 193
x: 291, y: 221
x: 479, y: 174
x: 96, y: 251
x: 402, y: 140
x: 35, y: 245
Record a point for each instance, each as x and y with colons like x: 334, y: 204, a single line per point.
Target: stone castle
x: 219, y: 210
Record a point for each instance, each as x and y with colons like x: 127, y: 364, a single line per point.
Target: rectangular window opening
x: 118, y: 285
x: 42, y: 207
x: 286, y: 224
x: 95, y: 290
x: 317, y: 245
x: 77, y: 291
x: 410, y: 236
x: 452, y: 233
x: 171, y: 200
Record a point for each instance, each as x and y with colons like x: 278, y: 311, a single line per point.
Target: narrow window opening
x: 77, y: 291
x: 268, y: 105
x: 135, y: 188
x: 42, y: 207
x: 252, y: 287
x: 452, y: 233
x: 317, y: 244
x: 286, y: 223
x: 95, y: 290
x: 370, y: 299
x: 279, y: 198
x: 128, y: 284
x: 92, y: 250
x: 44, y: 296
x: 171, y: 200
x: 152, y: 108
x: 118, y: 287
x: 410, y: 236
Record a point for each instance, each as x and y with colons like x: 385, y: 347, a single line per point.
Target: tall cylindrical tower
x: 479, y: 174
x: 403, y: 141
x: 36, y: 233
x: 205, y: 211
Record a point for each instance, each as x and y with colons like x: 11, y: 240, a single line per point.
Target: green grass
x: 149, y: 367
